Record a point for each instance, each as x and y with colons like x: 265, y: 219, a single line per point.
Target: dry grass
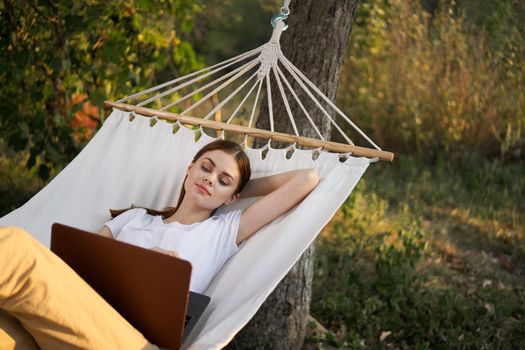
x: 430, y: 85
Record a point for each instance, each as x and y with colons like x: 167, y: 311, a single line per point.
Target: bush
x: 425, y: 256
x: 429, y: 84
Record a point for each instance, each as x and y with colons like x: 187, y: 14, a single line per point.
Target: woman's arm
x: 281, y: 193
x: 264, y: 185
x: 106, y: 232
x: 164, y: 251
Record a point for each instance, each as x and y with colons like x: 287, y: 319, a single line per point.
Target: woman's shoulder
x: 132, y: 213
x: 228, y: 216
x: 137, y: 211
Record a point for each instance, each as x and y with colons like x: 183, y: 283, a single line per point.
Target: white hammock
x: 128, y: 161
x: 131, y: 162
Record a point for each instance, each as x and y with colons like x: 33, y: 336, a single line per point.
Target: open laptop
x: 149, y: 289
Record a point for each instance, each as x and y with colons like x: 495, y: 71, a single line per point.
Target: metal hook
x: 285, y: 10
x: 279, y: 17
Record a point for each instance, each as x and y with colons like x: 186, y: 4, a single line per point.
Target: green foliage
x: 17, y: 183
x: 408, y: 261
x: 57, y: 56
x: 431, y: 83
x: 237, y: 26
x: 370, y: 269
x: 502, y: 21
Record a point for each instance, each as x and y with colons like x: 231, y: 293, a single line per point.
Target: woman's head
x: 228, y: 157
x: 218, y: 172
x: 233, y: 149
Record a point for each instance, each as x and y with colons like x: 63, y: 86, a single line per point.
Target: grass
x: 426, y: 257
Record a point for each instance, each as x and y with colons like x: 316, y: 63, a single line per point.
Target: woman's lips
x: 203, y: 189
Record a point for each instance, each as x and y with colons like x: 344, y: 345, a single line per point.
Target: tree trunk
x: 316, y: 43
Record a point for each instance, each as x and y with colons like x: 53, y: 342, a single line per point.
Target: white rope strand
x: 171, y: 82
x: 327, y: 100
x: 287, y: 65
x: 199, y: 102
x: 255, y: 103
x: 270, y: 107
x: 242, y: 102
x: 181, y: 86
x: 285, y: 100
x: 300, y: 104
x: 219, y: 106
x: 214, y: 82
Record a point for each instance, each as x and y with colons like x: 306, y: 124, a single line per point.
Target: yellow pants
x: 57, y: 307
x: 13, y: 335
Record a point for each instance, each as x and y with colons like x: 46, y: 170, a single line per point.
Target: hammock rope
x: 307, y: 115
x: 233, y: 81
x: 171, y: 82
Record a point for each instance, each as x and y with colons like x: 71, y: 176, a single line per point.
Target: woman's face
x: 212, y: 180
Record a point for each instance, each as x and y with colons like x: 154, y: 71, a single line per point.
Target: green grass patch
x: 426, y: 257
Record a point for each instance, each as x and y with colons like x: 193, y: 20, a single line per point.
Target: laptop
x: 149, y: 289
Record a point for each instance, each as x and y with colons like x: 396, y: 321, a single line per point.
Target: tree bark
x: 316, y: 43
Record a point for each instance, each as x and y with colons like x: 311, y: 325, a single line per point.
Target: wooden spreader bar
x: 260, y: 133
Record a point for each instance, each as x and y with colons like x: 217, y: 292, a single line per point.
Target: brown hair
x: 227, y: 146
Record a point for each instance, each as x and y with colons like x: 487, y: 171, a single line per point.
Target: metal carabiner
x: 279, y: 17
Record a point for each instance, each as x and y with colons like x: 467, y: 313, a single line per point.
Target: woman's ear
x: 232, y: 200
x: 189, y: 168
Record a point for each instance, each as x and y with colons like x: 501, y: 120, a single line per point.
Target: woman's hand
x: 106, y: 232
x: 164, y: 251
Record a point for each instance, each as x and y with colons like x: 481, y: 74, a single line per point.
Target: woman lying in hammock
x: 218, y: 175
x: 61, y: 311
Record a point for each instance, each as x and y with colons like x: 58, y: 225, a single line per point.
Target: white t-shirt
x: 207, y: 245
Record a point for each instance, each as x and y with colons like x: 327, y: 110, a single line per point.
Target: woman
x: 60, y: 310
x: 218, y: 175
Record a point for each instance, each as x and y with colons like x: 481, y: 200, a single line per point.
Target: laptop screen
x: 149, y: 289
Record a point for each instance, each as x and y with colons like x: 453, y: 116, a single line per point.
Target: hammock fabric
x: 132, y: 162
